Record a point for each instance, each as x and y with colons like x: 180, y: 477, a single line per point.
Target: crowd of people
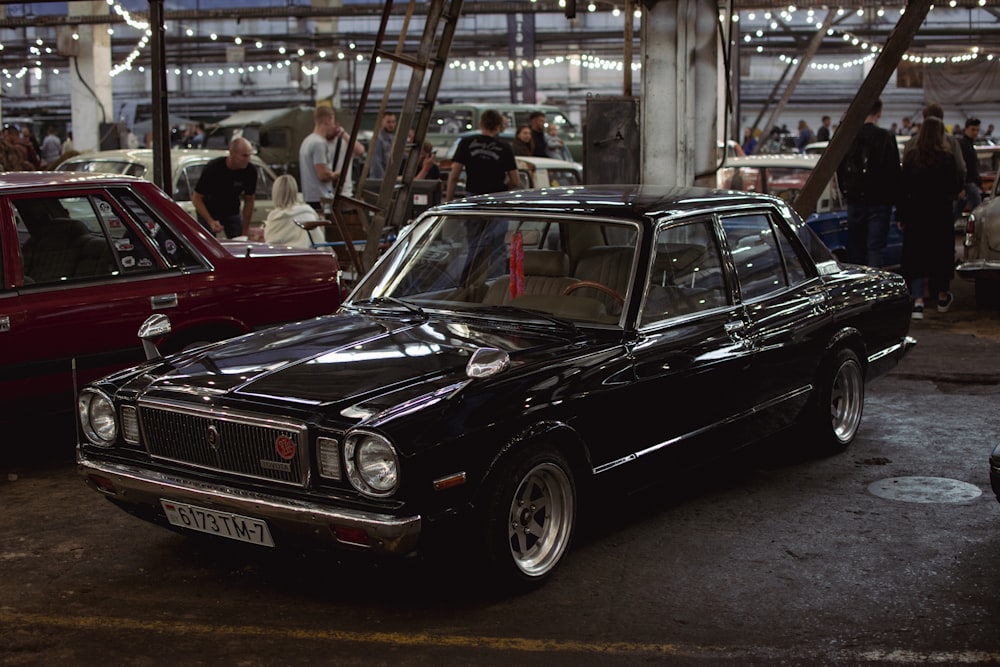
x: 326, y: 161
x: 930, y: 186
x: 936, y: 178
x: 21, y: 150
x: 753, y: 141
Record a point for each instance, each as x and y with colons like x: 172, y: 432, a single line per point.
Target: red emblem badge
x: 285, y: 447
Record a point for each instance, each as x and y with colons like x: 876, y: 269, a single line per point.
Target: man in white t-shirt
x: 315, y: 176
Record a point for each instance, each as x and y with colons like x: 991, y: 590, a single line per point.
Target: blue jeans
x: 232, y: 224
x: 867, y: 231
x: 972, y: 199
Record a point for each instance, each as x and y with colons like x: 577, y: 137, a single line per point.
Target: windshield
x: 508, y: 267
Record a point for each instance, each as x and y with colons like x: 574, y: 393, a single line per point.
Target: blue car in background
x: 784, y: 176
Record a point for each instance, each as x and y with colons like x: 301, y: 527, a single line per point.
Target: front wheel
x: 839, y: 398
x: 531, y: 516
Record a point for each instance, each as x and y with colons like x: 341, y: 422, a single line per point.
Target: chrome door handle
x: 735, y: 326
x: 4, y: 323
x: 161, y: 301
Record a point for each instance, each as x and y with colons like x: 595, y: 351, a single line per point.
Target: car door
x: 786, y: 306
x: 13, y: 335
x: 91, y: 273
x: 690, y: 356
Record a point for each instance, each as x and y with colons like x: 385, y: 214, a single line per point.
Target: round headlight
x: 97, y: 417
x: 372, y: 464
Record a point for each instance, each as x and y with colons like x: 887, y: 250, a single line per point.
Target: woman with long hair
x: 286, y: 224
x: 523, y: 143
x: 929, y: 181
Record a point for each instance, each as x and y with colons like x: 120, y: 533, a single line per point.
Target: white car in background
x: 981, y: 261
x: 186, y: 165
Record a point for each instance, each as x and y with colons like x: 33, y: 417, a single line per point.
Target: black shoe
x: 945, y: 304
x: 918, y: 312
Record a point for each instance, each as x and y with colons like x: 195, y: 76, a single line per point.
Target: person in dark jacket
x: 869, y: 178
x: 924, y: 212
x: 970, y: 195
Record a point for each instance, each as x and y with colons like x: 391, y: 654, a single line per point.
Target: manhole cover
x: 925, y: 490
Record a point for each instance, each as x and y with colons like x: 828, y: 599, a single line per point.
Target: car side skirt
x: 761, y: 407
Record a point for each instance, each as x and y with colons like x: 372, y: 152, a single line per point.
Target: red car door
x: 89, y: 275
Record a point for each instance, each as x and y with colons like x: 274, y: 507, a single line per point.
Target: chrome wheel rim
x: 846, y: 401
x: 541, y: 519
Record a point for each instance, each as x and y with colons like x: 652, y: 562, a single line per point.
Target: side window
x: 276, y: 138
x: 793, y: 265
x: 740, y: 178
x: 755, y: 253
x: 167, y: 243
x: 451, y: 121
x: 563, y: 177
x: 186, y: 182
x: 64, y: 241
x: 264, y: 184
x: 686, y: 273
x: 131, y: 251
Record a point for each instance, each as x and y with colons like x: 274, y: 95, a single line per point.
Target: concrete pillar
x: 679, y: 92
x: 90, y: 88
x: 331, y: 71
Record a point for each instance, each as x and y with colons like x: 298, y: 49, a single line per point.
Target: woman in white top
x: 286, y: 223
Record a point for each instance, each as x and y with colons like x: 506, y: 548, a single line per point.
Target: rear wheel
x: 987, y: 294
x: 531, y: 514
x: 835, y: 415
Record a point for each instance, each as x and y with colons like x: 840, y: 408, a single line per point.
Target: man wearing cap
x: 971, y: 197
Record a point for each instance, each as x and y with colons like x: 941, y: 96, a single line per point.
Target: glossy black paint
x: 615, y: 399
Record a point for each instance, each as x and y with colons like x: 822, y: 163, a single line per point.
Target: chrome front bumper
x: 131, y: 485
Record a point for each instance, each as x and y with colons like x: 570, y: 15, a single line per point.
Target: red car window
x: 170, y: 246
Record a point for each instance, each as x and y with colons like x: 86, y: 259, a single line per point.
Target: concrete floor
x: 884, y: 555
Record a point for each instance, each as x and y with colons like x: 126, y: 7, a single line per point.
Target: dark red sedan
x: 85, y: 259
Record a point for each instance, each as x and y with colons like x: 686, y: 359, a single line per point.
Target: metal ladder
x: 431, y: 57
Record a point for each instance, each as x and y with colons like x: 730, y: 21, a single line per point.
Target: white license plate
x: 223, y: 524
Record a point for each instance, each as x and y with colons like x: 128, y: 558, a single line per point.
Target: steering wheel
x: 597, y: 286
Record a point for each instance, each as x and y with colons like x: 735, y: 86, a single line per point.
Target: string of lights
x: 754, y: 37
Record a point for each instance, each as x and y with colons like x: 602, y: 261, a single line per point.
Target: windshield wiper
x: 536, y: 314
x: 383, y: 301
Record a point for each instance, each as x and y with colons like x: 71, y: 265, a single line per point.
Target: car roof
x: 546, y: 162
x: 807, y: 161
x: 62, y: 179
x: 145, y: 155
x: 611, y: 200
x: 517, y: 106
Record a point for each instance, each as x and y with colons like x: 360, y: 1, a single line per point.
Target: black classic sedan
x: 504, y: 356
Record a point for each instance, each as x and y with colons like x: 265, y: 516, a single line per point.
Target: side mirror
x: 155, y: 326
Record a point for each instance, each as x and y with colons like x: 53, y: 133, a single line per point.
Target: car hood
x: 347, y: 360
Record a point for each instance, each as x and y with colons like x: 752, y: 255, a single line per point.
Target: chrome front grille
x: 226, y: 441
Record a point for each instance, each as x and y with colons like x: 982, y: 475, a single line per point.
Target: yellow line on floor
x: 422, y: 639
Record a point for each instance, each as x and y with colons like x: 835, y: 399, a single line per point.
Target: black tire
x: 987, y: 294
x: 530, y: 517
x: 834, y: 417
